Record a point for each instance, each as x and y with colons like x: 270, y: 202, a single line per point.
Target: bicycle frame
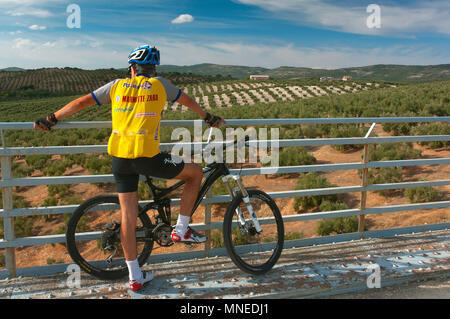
x: 211, y: 172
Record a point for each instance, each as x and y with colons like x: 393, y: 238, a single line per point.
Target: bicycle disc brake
x: 248, y: 229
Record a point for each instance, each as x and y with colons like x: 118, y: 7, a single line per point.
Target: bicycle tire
x: 87, y: 266
x: 228, y: 233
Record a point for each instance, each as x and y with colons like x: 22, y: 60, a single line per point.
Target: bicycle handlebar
x: 246, y: 139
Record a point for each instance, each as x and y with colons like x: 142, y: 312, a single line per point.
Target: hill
x: 391, y: 73
x: 12, y: 69
x: 71, y: 81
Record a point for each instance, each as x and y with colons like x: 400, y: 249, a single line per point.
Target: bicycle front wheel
x: 254, y: 252
x: 93, y: 238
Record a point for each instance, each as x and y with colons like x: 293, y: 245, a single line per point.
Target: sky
x: 93, y: 34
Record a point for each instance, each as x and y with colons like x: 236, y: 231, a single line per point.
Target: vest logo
x: 146, y: 85
x: 140, y: 98
x: 170, y: 161
x: 145, y: 114
x: 127, y: 109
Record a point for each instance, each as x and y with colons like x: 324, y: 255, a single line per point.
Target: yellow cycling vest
x: 137, y: 106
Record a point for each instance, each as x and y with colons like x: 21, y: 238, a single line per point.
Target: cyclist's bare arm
x: 69, y: 109
x: 75, y: 106
x: 186, y: 100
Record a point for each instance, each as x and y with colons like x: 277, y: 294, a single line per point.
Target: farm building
x: 259, y: 77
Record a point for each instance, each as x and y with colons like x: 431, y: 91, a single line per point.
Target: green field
x: 429, y: 99
x: 407, y: 100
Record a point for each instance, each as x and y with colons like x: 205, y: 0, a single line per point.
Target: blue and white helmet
x: 144, y: 55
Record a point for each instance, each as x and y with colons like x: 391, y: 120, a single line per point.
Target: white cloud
x: 36, y: 27
x: 26, y: 2
x: 73, y: 51
x: 183, y: 18
x: 421, y: 16
x: 21, y: 43
x: 29, y: 11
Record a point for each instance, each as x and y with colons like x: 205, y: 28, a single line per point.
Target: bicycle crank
x: 162, y: 235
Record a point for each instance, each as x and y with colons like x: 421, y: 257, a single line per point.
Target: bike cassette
x: 162, y: 235
x: 110, y: 236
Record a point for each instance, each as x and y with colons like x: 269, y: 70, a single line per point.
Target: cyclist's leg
x: 192, y: 175
x: 129, y: 208
x: 169, y: 166
x: 127, y: 184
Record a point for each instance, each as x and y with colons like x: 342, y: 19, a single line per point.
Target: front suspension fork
x: 246, y: 199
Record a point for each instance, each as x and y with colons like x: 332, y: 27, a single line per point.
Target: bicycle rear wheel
x: 93, y: 238
x: 253, y: 252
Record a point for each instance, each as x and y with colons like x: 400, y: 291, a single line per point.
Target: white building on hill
x: 259, y: 77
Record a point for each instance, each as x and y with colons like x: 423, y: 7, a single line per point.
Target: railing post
x: 8, y: 222
x: 208, y: 223
x: 365, y: 172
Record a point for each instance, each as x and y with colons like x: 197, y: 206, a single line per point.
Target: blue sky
x: 267, y: 33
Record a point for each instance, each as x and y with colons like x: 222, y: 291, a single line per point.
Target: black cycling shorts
x: 126, y: 171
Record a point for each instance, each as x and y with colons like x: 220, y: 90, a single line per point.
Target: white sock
x: 182, y: 224
x: 134, y: 270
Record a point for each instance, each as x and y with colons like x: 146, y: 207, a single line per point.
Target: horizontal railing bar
x: 38, y: 211
x: 377, y: 187
x: 322, y: 215
x: 336, y: 167
x: 413, y: 162
x: 54, y: 150
x: 53, y: 210
x: 298, y: 169
x: 91, y: 149
x: 316, y: 191
x: 32, y: 241
x: 52, y: 239
x: 406, y: 207
x: 378, y: 233
x: 57, y: 180
x: 291, y: 218
x: 232, y: 122
x: 209, y: 200
x: 108, y: 178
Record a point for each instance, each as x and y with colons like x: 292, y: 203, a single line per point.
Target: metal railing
x: 7, y: 182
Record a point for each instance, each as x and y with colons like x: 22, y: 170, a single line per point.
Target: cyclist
x: 137, y: 107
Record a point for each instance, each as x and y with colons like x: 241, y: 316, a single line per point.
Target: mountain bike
x: 253, y: 229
